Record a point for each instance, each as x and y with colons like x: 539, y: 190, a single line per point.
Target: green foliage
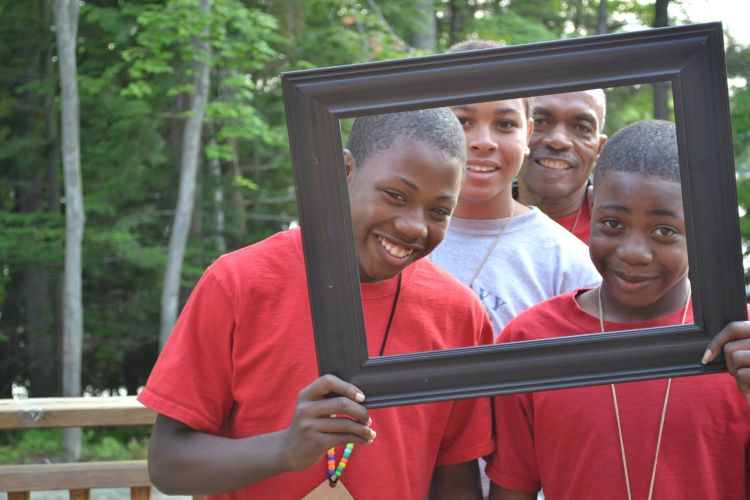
x: 743, y: 196
x: 33, y: 238
x: 29, y: 446
x: 510, y: 28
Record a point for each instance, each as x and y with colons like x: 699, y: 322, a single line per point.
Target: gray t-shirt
x: 534, y: 259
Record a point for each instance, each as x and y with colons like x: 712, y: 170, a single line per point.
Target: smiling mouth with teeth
x: 554, y: 164
x: 480, y: 168
x: 395, y: 250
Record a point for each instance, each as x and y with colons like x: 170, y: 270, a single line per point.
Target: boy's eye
x: 665, y: 231
x: 506, y: 124
x: 611, y: 224
x: 463, y: 121
x: 539, y: 122
x: 442, y: 213
x: 394, y: 194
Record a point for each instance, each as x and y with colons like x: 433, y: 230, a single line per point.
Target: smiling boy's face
x: 401, y: 201
x: 497, y: 134
x: 638, y: 244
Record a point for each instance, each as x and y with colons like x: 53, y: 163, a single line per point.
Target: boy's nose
x: 481, y: 139
x: 634, y: 249
x: 412, y: 227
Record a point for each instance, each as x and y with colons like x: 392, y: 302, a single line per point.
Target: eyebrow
x: 416, y: 188
x: 584, y: 115
x: 588, y: 117
x: 663, y: 212
x: 656, y: 211
x: 617, y: 208
x: 498, y: 111
x: 408, y: 182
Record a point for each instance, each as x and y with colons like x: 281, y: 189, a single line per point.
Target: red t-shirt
x: 566, y: 441
x: 243, y: 348
x: 578, y: 223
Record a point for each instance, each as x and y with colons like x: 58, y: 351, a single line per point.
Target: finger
x: 346, y: 426
x: 335, y: 406
x: 737, y: 354
x: 332, y: 440
x: 733, y: 331
x: 743, y: 380
x: 327, y: 384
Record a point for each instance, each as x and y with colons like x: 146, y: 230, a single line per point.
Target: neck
x: 500, y: 208
x: 553, y: 207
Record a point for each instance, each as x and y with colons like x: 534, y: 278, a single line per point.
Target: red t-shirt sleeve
x: 468, y: 434
x: 191, y: 381
x: 513, y: 464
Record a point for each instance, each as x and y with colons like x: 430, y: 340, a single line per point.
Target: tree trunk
x: 191, y: 145
x: 214, y: 166
x: 457, y: 21
x: 40, y: 333
x: 661, y: 89
x: 66, y: 31
x: 50, y: 126
x: 424, y: 31
x: 238, y: 200
x: 56, y: 277
x: 196, y: 217
x: 38, y: 317
x: 577, y: 15
x: 602, y: 28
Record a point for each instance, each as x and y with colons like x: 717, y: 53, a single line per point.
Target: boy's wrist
x: 283, y: 456
x: 275, y: 456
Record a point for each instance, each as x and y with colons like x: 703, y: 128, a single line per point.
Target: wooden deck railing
x: 81, y: 477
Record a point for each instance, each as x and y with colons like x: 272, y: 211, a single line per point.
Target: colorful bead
x: 334, y: 471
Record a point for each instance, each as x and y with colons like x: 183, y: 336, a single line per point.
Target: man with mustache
x: 565, y: 145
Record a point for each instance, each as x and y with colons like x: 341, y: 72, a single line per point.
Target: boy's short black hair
x: 437, y: 127
x: 647, y: 147
x: 477, y: 44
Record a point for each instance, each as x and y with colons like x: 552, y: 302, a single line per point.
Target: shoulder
x: 437, y: 282
x: 552, y: 317
x: 554, y: 234
x: 273, y: 259
x: 553, y: 247
x: 441, y: 303
x: 440, y: 291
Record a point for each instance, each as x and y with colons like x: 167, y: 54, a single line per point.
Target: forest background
x: 142, y: 139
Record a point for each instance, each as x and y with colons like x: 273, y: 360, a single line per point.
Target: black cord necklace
x: 390, y: 318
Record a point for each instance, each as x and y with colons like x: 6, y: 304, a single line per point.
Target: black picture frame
x: 690, y: 57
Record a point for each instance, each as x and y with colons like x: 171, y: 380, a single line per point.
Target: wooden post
x: 140, y: 493
x: 19, y: 495
x: 82, y: 494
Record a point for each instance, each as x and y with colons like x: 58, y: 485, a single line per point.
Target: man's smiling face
x: 565, y: 144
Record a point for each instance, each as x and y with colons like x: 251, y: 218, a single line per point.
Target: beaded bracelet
x: 334, y: 472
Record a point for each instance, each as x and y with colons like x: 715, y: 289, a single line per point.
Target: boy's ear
x: 349, y: 164
x: 590, y: 197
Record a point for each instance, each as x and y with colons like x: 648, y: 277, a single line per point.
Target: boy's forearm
x: 183, y: 461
